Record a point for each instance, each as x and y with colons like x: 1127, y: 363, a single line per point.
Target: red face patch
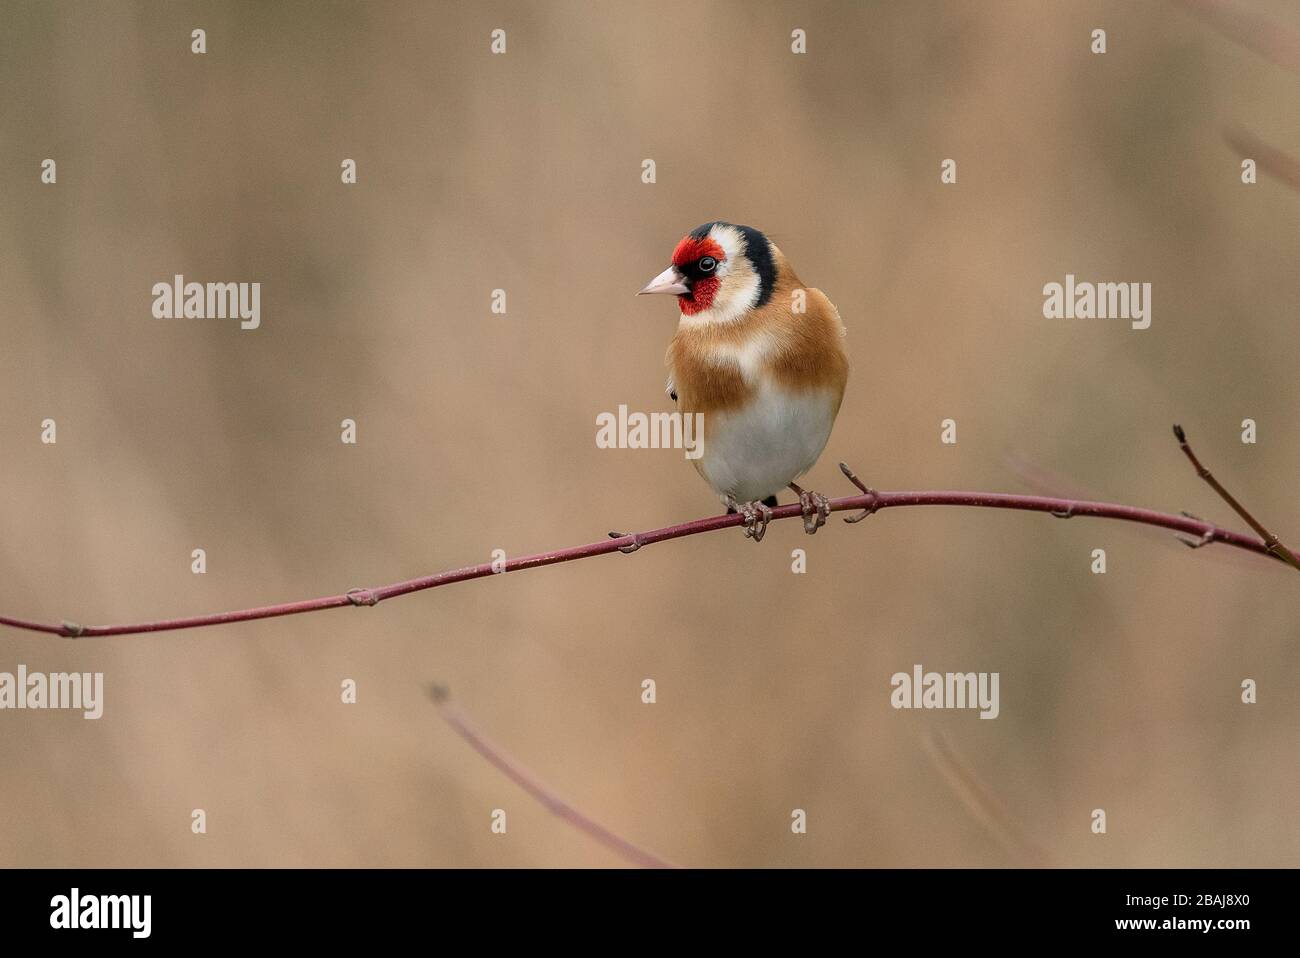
x: 689, y: 251
x: 700, y: 297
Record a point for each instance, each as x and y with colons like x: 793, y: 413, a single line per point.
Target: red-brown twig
x: 1271, y: 542
x: 529, y: 783
x: 869, y: 502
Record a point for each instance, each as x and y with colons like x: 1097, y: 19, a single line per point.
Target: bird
x: 762, y: 357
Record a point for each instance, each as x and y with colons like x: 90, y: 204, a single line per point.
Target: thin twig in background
x: 1271, y: 541
x: 1282, y: 46
x: 1042, y: 480
x: 870, y: 502
x: 1276, y: 43
x: 1267, y: 158
x: 1266, y: 37
x: 980, y: 801
x: 529, y: 783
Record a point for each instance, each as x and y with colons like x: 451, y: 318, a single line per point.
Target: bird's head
x: 719, y: 272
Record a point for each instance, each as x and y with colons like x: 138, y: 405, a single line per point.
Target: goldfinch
x: 762, y: 358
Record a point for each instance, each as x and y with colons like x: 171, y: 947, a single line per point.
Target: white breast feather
x: 757, y: 451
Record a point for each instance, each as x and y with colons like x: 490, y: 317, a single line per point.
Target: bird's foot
x: 816, y: 509
x: 756, y: 515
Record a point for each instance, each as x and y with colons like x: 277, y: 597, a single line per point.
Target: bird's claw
x: 756, y: 516
x: 816, y: 510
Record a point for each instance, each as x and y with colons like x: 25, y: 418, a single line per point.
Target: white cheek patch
x: 737, y: 296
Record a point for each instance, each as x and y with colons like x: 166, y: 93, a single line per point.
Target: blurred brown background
x: 476, y: 431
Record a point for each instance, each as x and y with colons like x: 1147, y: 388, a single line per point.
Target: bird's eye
x: 708, y: 264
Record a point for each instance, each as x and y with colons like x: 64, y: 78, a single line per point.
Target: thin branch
x: 529, y: 783
x: 1271, y: 541
x: 869, y: 503
x: 980, y: 801
x: 1277, y: 43
x: 1268, y: 158
x: 1041, y: 479
x: 1266, y: 37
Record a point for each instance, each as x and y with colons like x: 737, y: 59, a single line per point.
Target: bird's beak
x: 669, y: 281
